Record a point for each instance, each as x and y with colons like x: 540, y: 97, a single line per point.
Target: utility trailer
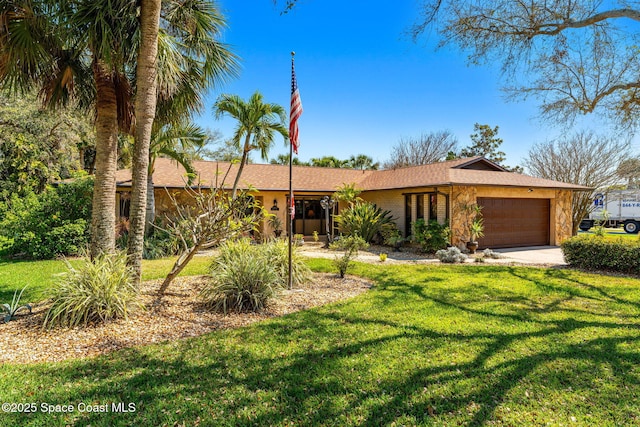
x: 614, y: 209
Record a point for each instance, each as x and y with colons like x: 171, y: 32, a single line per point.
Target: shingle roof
x: 306, y: 178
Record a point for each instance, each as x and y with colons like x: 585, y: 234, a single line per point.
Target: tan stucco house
x: 518, y: 210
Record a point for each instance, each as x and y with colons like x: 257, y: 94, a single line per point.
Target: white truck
x: 613, y: 209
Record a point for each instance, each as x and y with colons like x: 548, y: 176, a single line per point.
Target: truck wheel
x: 632, y: 227
x: 585, y: 225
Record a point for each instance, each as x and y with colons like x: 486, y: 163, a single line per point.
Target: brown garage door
x: 514, y: 222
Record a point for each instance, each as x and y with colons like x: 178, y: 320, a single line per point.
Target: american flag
x: 296, y: 110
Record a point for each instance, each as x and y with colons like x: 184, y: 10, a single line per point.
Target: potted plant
x: 476, y: 230
x: 276, y: 224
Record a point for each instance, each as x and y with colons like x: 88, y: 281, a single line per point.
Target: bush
x: 160, y: 244
x: 350, y: 245
x: 241, y: 279
x: 276, y: 254
x: 600, y: 254
x: 244, y: 276
x: 363, y: 219
x: 488, y: 253
x: 53, y: 223
x: 432, y: 236
x: 97, y: 291
x: 451, y: 255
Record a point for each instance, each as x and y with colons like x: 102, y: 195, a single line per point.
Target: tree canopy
x: 574, y: 56
x: 427, y: 148
x: 584, y: 159
x: 38, y: 146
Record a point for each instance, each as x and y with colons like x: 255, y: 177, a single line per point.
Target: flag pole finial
x: 293, y: 54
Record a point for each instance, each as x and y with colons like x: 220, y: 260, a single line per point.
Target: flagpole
x: 291, y: 214
x: 291, y: 201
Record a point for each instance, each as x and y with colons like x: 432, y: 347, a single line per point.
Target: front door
x: 310, y: 216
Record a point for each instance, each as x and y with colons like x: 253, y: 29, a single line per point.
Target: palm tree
x: 77, y: 51
x: 83, y: 53
x: 189, y: 60
x: 175, y: 142
x: 257, y: 124
x: 363, y: 162
x: 145, y: 111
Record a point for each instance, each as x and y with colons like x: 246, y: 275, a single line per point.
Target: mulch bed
x: 179, y: 315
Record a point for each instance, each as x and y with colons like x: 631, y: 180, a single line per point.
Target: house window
x: 124, y: 205
x: 433, y: 206
x: 420, y: 203
x: 407, y: 215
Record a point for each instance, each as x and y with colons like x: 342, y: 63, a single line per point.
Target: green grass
x: 38, y: 275
x: 612, y: 233
x: 429, y: 345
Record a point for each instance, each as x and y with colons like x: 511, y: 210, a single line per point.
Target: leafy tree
x: 329, y: 162
x: 629, y: 169
x: 227, y: 151
x: 575, y: 56
x: 583, y: 159
x: 54, y: 222
x: 427, y: 148
x: 257, y: 124
x: 37, y: 146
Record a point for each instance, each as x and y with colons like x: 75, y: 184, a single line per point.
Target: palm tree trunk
x: 245, y: 153
x: 151, y: 204
x: 103, y: 216
x: 145, y: 109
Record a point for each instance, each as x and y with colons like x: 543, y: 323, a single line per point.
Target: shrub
x: 276, y: 254
x: 596, y: 253
x: 350, y: 245
x: 432, y: 236
x: 363, y: 219
x: 241, y: 279
x: 98, y: 290
x: 245, y: 276
x: 391, y: 236
x: 488, y: 253
x: 53, y: 223
x: 159, y: 244
x: 451, y: 255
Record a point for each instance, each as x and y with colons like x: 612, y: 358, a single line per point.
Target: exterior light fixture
x: 275, y: 205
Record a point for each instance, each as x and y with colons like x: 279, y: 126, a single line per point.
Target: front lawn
x: 429, y: 345
x: 38, y: 275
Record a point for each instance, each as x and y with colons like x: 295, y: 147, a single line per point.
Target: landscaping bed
x: 178, y: 314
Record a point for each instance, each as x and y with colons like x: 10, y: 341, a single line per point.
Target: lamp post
x: 327, y: 204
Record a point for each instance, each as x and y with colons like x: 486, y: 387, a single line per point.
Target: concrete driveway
x: 535, y: 255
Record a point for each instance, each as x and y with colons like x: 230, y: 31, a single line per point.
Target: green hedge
x: 596, y: 253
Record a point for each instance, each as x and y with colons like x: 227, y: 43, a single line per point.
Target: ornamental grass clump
x: 241, y: 280
x: 98, y: 290
x: 276, y: 254
x: 245, y: 277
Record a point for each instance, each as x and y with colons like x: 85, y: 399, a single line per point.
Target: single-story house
x: 518, y: 210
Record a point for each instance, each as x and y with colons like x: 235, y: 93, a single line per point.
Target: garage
x: 515, y: 222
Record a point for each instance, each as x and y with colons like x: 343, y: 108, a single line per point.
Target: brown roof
x: 307, y: 178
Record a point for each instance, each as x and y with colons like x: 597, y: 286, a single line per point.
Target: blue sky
x: 364, y: 83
